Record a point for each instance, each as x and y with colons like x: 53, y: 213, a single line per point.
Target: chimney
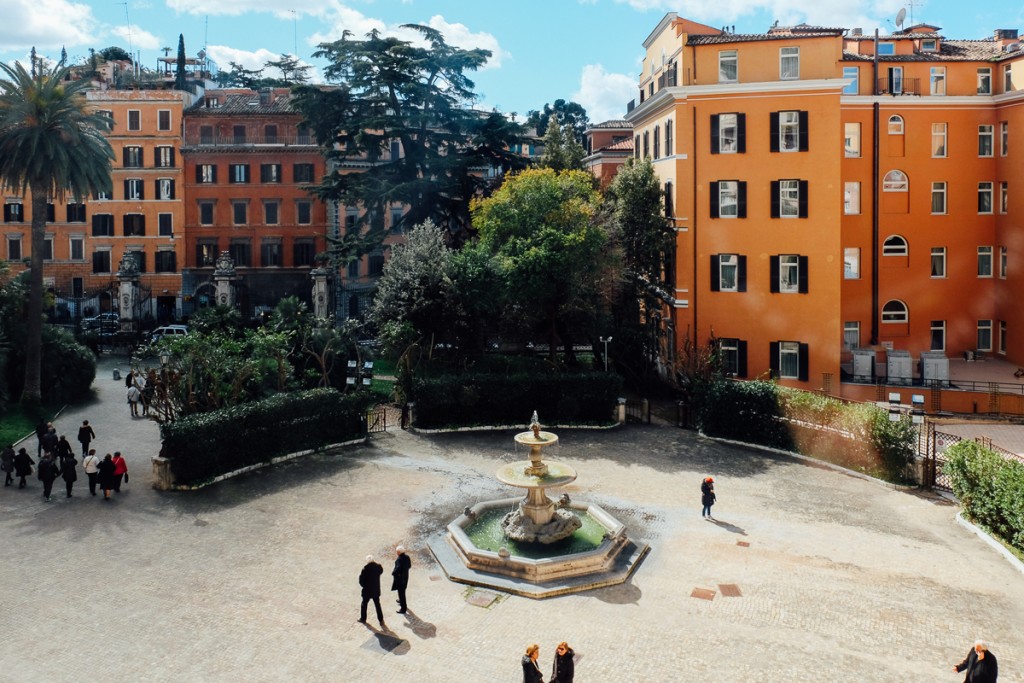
x: 1005, y: 36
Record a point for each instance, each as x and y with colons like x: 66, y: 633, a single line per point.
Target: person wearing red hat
x: 707, y: 496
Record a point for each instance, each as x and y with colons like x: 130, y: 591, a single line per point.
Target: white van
x: 168, y: 331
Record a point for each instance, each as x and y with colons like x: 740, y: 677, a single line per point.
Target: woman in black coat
x: 8, y: 464
x: 68, y: 472
x: 563, y: 670
x: 23, y: 466
x: 707, y: 496
x: 531, y: 671
x: 106, y: 471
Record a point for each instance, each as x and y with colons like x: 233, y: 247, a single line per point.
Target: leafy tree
x: 116, y: 54
x: 293, y: 72
x: 392, y: 91
x: 180, y: 82
x: 568, y: 112
x: 224, y: 319
x: 562, y: 151
x: 239, y: 77
x: 541, y: 229
x: 52, y: 146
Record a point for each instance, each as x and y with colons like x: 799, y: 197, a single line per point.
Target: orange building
x: 833, y: 191
x: 609, y: 144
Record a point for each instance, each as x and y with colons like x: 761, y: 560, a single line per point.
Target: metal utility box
x: 864, y: 365
x: 899, y: 367
x: 935, y: 368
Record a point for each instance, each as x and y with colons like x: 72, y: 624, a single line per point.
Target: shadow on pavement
x: 728, y: 527
x: 421, y: 629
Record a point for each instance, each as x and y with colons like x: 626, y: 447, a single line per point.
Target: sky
x: 587, y: 51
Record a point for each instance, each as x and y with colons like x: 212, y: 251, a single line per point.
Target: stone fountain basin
x: 528, y: 439
x: 514, y: 474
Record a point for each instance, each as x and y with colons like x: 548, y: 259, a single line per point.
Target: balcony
x: 898, y: 86
x: 222, y: 141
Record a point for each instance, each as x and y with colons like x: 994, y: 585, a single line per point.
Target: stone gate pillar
x: 128, y: 292
x: 224, y: 278
x: 321, y: 293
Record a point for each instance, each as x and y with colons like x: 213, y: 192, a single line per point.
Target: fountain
x: 533, y: 546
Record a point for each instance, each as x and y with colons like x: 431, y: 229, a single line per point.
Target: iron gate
x: 638, y: 411
x: 931, y: 446
x: 377, y: 420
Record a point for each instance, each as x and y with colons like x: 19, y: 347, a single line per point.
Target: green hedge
x: 744, y: 411
x: 990, y: 488
x: 203, y: 446
x: 503, y: 399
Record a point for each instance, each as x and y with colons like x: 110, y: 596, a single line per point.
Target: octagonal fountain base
x: 609, y: 558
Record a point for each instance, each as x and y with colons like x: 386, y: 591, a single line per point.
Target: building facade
x: 609, y: 145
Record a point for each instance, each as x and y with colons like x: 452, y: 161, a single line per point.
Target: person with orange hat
x: 707, y: 496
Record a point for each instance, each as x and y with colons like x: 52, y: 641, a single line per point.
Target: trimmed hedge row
x: 203, y: 446
x: 502, y: 399
x: 743, y: 411
x: 990, y: 488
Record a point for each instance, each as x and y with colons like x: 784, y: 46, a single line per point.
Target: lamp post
x: 605, y: 341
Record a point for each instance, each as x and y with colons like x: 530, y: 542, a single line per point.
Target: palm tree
x: 52, y: 146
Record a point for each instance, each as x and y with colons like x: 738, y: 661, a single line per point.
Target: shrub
x: 990, y: 489
x: 744, y: 411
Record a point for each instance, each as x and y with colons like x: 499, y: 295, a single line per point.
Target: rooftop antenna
x: 900, y: 16
x: 295, y: 32
x: 131, y: 49
x: 912, y: 4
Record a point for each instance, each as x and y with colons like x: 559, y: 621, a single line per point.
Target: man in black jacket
x: 980, y: 665
x: 48, y: 471
x: 400, y: 577
x: 369, y: 580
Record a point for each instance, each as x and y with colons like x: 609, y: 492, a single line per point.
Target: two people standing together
x: 563, y: 670
x: 369, y: 582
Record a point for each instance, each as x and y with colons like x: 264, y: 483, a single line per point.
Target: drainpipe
x: 693, y: 227
x: 875, y: 143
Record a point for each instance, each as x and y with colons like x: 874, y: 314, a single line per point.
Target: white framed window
x: 206, y: 173
x: 851, y: 335
x: 938, y: 330
x: 789, y: 360
x: 789, y: 199
x: 986, y: 139
x: 852, y: 74
x: 1004, y: 196
x: 789, y: 273
x: 134, y: 119
x: 239, y: 212
x: 728, y: 133
x: 728, y: 66
x: 939, y: 197
x: 985, y: 81
x: 1007, y: 78
x: 76, y: 247
x: 985, y: 197
x: 131, y: 157
x: 895, y: 245
x: 851, y: 136
x: 851, y: 263
x: 984, y: 261
x: 895, y: 80
x: 895, y: 126
x: 789, y: 63
x: 984, y: 335
x: 851, y: 198
x: 728, y: 272
x: 789, y: 131
x: 729, y: 356
x: 165, y: 224
x: 887, y: 48
x: 938, y: 262
x: 165, y: 189
x: 938, y: 140
x: 1002, y: 262
x: 133, y: 188
x: 14, y: 252
x: 895, y: 181
x: 895, y: 311
x: 165, y: 157
x: 1004, y: 138
x: 1002, y: 336
x: 728, y: 199
x: 937, y: 80
x: 239, y: 173
x: 929, y: 45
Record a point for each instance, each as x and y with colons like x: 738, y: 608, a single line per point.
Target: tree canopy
x: 568, y: 112
x: 180, y: 76
x: 115, y: 53
x: 562, y: 151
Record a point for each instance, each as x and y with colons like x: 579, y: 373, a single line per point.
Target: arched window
x: 895, y: 311
x: 895, y: 181
x: 895, y: 125
x: 894, y: 245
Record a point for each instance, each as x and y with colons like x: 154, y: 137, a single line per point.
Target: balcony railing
x: 200, y: 140
x: 898, y: 86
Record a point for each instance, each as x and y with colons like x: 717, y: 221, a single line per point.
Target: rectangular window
x: 1004, y: 138
x: 205, y: 213
x: 270, y: 212
x: 728, y: 199
x: 669, y: 151
x: 51, y: 213
x: 789, y: 360
x: 1002, y: 261
x: 206, y: 174
x: 270, y: 173
x: 396, y: 221
x: 887, y: 48
x: 986, y: 136
x: 270, y: 134
x: 14, y: 248
x: 984, y: 335
x: 789, y: 273
x: 102, y: 225
x: 239, y: 213
x: 895, y: 80
x: 851, y: 263
x: 938, y: 329
x: 789, y: 63
x: 48, y: 248
x: 14, y: 212
x: 396, y: 150
x: 165, y: 262
x: 938, y: 140
x: 938, y: 197
x: 205, y: 135
x: 733, y: 357
x: 789, y: 198
x: 76, y: 246
x: 789, y: 131
x: 985, y: 81
x: 728, y: 272
x: 375, y: 264
x: 728, y: 68
x: 1007, y: 80
x: 241, y: 252
x: 163, y: 119
x: 727, y: 133
x: 303, y: 136
x: 984, y: 197
x: 239, y: 173
x: 937, y: 80
x: 165, y: 157
x: 133, y: 189
x: 270, y: 254
x: 929, y: 45
x: 101, y: 261
x: 131, y: 157
x: 165, y: 224
x: 139, y: 256
x: 206, y: 254
x: 851, y: 198
x: 852, y: 74
x: 1004, y: 196
x: 852, y: 139
x: 938, y: 262
x: 134, y: 225
x: 302, y: 253
x: 303, y: 212
x: 302, y: 173
x: 238, y: 134
x: 353, y: 269
x: 76, y: 213
x: 165, y: 189
x: 1002, y: 336
x: 851, y: 335
x: 134, y: 119
x: 984, y: 261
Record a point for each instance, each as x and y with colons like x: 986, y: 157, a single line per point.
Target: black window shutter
x: 142, y: 190
x: 715, y: 274
x: 126, y: 191
x: 741, y: 358
x: 714, y: 200
x: 804, y: 356
x: 773, y: 274
x: 124, y: 157
x: 96, y: 261
x: 172, y: 157
x: 7, y: 213
x: 172, y: 189
x: 741, y: 274
x: 802, y: 207
x: 773, y: 131
x: 714, y: 134
x: 773, y: 358
x: 741, y: 133
x: 803, y: 132
x: 802, y: 274
x: 741, y: 199
x: 213, y: 175
x: 775, y: 199
x: 199, y: 173
x: 248, y: 178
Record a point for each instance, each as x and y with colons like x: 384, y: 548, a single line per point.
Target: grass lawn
x: 18, y: 422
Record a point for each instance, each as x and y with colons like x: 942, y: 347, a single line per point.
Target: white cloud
x: 223, y: 55
x: 139, y: 38
x: 459, y: 35
x: 604, y: 95
x: 235, y: 8
x: 46, y: 24
x: 833, y: 13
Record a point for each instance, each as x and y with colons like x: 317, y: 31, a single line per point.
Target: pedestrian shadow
x: 388, y: 641
x: 728, y: 527
x: 421, y: 629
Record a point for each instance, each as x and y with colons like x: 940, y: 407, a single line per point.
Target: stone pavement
x: 813, y: 575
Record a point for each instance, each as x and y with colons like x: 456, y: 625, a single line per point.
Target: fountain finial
x: 535, y: 425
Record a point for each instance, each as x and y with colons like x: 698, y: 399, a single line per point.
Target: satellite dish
x: 900, y: 16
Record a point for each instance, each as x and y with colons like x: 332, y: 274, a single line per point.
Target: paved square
x: 254, y: 579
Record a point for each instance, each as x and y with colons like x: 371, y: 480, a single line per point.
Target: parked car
x: 168, y: 332
x: 104, y: 322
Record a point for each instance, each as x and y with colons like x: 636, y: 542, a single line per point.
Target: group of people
x: 369, y: 583
x: 140, y: 389
x: 562, y: 670
x: 57, y: 460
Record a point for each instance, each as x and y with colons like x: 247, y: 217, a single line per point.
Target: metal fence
x: 377, y: 420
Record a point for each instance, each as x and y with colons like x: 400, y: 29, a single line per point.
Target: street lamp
x: 605, y: 342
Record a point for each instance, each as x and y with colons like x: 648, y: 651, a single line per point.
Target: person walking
x: 48, y: 472
x: 400, y: 577
x: 50, y: 441
x: 64, y: 450
x: 41, y: 429
x: 563, y: 669
x: 106, y: 475
x: 7, y: 464
x: 85, y: 436
x: 23, y: 466
x: 120, y: 471
x: 707, y: 496
x: 980, y: 665
x: 90, y: 465
x: 369, y: 580
x: 531, y: 670
x: 69, y: 472
x: 134, y: 396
